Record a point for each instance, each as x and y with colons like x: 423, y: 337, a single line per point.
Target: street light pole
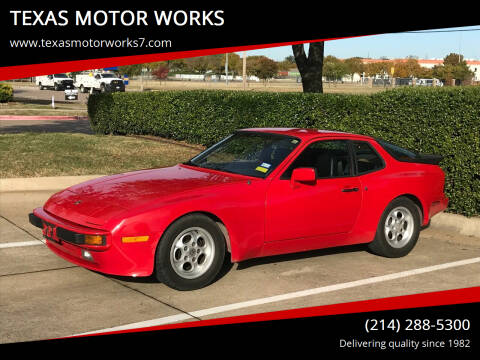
x: 244, y: 70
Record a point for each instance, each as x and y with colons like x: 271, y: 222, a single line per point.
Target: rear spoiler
x: 421, y: 159
x: 402, y: 154
x: 428, y: 159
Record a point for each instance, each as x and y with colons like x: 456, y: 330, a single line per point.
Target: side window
x: 330, y: 158
x: 367, y: 159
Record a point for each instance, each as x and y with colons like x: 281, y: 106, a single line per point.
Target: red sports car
x: 259, y: 192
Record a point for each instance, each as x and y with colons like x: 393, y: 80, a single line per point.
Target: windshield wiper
x: 190, y: 163
x: 214, y: 167
x: 204, y: 166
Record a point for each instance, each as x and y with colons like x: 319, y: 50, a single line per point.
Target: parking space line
x: 288, y: 296
x: 20, y: 228
x: 22, y: 243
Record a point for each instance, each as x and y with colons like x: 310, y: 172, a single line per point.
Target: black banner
x: 41, y: 34
x: 450, y: 328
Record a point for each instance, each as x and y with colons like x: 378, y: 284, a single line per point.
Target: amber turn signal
x: 94, y: 240
x: 134, y: 239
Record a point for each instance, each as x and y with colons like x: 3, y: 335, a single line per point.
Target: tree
x: 161, y: 71
x: 290, y: 59
x: 262, y: 67
x: 311, y: 66
x: 334, y: 69
x: 153, y: 65
x: 216, y: 63
x: 287, y: 63
x: 454, y: 67
x: 378, y: 68
x: 177, y: 65
x: 197, y: 65
x: 235, y: 63
x: 424, y: 73
x: 131, y: 70
x: 355, y: 66
x: 453, y: 59
x: 284, y: 65
x: 407, y: 69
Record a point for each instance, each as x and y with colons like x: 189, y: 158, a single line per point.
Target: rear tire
x: 190, y: 253
x: 398, y: 229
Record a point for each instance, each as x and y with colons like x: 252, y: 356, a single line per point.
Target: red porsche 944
x: 259, y: 192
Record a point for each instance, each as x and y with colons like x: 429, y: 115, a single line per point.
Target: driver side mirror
x: 303, y: 175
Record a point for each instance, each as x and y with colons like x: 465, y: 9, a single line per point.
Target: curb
x: 457, y: 223
x: 54, y: 183
x: 443, y: 221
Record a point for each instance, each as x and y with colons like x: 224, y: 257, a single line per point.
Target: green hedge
x: 442, y: 121
x: 6, y: 93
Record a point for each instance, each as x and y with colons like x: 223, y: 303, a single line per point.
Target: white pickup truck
x: 103, y: 82
x: 55, y: 81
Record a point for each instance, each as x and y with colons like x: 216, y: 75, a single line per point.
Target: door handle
x: 354, y: 189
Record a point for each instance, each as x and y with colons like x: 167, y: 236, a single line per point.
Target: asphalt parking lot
x: 44, y: 297
x: 28, y: 98
x: 79, y: 125
x: 33, y: 94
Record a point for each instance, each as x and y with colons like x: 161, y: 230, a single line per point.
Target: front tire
x: 398, y: 229
x: 190, y: 253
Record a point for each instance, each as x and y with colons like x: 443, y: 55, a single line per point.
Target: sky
x: 435, y: 44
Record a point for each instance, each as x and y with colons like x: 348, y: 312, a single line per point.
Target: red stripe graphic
x: 448, y: 297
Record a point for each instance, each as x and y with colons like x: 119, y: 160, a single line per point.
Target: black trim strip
x: 35, y: 220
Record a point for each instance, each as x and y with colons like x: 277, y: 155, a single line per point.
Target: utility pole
x: 226, y: 68
x: 141, y: 79
x: 244, y: 70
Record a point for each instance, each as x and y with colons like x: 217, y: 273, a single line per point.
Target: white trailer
x: 55, y: 81
x: 103, y: 82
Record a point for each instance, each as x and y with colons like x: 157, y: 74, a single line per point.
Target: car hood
x: 94, y: 202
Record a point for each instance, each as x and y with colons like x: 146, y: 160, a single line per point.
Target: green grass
x: 60, y: 154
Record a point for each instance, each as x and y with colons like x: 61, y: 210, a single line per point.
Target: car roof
x: 306, y: 134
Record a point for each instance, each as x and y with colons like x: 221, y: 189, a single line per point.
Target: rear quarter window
x: 366, y: 158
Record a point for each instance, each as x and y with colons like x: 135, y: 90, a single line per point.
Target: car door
x: 327, y: 206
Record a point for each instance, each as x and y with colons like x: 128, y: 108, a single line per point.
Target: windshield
x: 108, y: 76
x: 247, y: 153
x: 61, y: 76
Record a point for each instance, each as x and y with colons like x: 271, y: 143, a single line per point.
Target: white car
x: 429, y: 82
x: 55, y: 81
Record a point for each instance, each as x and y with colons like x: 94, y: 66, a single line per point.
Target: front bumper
x: 66, y: 85
x: 62, y: 238
x: 115, y: 87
